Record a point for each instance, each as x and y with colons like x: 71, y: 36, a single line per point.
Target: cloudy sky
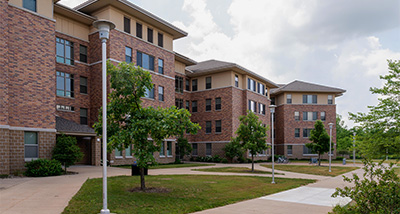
x: 338, y: 43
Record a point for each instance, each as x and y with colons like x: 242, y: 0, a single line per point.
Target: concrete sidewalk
x: 52, y: 194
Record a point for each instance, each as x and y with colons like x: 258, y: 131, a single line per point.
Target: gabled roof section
x: 69, y: 127
x: 91, y: 6
x: 74, y: 14
x: 212, y: 66
x: 300, y: 86
x: 183, y: 59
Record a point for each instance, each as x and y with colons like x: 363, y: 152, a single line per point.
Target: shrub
x: 43, y: 168
x: 241, y: 159
x: 378, y: 191
x: 233, y: 149
x: 339, y: 158
x: 67, y: 151
x: 224, y: 160
x: 216, y: 159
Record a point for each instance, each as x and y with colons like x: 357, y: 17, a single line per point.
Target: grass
x: 348, y: 161
x: 397, y: 170
x: 234, y: 169
x: 314, y: 170
x: 167, y: 166
x: 188, y: 193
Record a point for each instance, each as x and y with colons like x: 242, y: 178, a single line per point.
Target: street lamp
x: 272, y: 109
x: 354, y: 148
x: 330, y: 145
x: 104, y: 28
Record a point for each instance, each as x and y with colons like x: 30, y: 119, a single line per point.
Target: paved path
x: 52, y: 194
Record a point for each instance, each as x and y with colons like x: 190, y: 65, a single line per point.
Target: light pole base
x: 104, y: 211
x: 273, y: 182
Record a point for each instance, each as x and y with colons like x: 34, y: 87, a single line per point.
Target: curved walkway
x: 52, y: 194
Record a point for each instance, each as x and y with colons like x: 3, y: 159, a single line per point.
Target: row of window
x: 195, y: 150
x: 150, y: 93
x: 253, y: 85
x: 218, y: 126
x: 83, y: 112
x: 139, y: 32
x: 306, y: 150
x: 306, y: 132
x: 65, y: 52
x: 310, y: 116
x: 128, y: 152
x: 65, y: 84
x: 179, y: 84
x: 144, y: 60
x: 208, y: 106
x: 253, y: 107
x: 308, y: 99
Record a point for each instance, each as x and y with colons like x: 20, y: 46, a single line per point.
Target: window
x: 65, y: 84
x: 296, y: 115
x: 83, y: 53
x: 127, y: 25
x: 307, y: 151
x: 128, y: 54
x: 150, y: 35
x: 208, y: 104
x: 208, y: 82
x: 160, y: 66
x: 296, y: 132
x: 31, y: 145
x: 160, y: 40
x: 118, y: 153
x: 289, y: 149
x: 194, y: 85
x: 306, y: 133
x: 179, y: 103
x: 162, y: 149
x: 84, y: 116
x: 64, y: 108
x: 208, y: 149
x: 145, y: 61
x: 179, y: 84
x: 65, y: 51
x: 218, y: 126
x: 261, y: 108
x: 310, y: 116
x: 187, y: 105
x: 29, y: 4
x: 83, y: 85
x: 251, y: 84
x: 252, y: 106
x: 160, y: 93
x: 208, y: 127
x: 310, y: 99
x: 272, y: 100
x: 194, y: 149
x: 139, y: 28
x: 169, y: 148
x: 187, y: 85
x: 128, y: 151
x: 149, y: 93
x: 289, y: 99
x: 261, y: 88
x: 236, y: 81
x: 194, y: 106
x: 330, y: 99
x: 218, y: 103
x: 323, y: 116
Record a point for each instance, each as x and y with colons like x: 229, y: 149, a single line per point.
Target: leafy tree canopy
x: 319, y: 140
x: 67, y: 151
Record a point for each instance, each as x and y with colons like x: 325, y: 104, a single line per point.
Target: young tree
x: 67, y: 151
x: 252, y: 135
x: 183, y: 148
x: 128, y: 123
x: 383, y: 120
x: 233, y: 149
x: 319, y: 140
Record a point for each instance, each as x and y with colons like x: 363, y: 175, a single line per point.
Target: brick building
x: 50, y: 81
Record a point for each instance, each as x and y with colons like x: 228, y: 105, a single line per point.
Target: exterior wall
x: 297, y: 98
x: 179, y: 67
x: 31, y: 58
x: 4, y: 79
x: 44, y: 7
x: 70, y: 27
x: 4, y: 151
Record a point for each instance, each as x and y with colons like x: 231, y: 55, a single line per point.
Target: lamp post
x: 330, y: 145
x: 104, y: 28
x: 272, y: 109
x: 354, y: 148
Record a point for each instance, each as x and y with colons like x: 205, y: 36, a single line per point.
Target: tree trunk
x: 142, y: 183
x: 252, y: 163
x: 319, y: 159
x: 65, y: 168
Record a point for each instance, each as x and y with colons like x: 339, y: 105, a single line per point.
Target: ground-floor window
x: 128, y: 151
x: 31, y: 145
x: 307, y: 151
x: 118, y: 153
x: 289, y: 149
x: 162, y: 150
x: 169, y: 148
x: 194, y: 149
x: 208, y: 149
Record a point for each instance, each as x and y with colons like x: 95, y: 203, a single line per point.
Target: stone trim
x: 28, y: 129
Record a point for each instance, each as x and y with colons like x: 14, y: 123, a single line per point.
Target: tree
x: 252, y: 135
x: 67, y: 151
x: 383, y: 121
x: 319, y: 140
x: 233, y: 149
x: 128, y: 123
x: 344, y: 137
x: 183, y: 148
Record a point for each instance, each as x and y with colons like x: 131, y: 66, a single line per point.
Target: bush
x: 224, y: 160
x: 241, y: 159
x: 378, y: 191
x: 43, y: 168
x: 216, y: 159
x: 67, y: 151
x: 339, y: 158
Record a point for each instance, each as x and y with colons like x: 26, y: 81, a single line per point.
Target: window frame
x: 68, y: 60
x: 160, y: 67
x: 194, y: 85
x: 195, y: 151
x: 161, y: 93
x: 289, y: 98
x: 187, y: 105
x: 208, y: 127
x: 236, y: 81
x: 179, y: 103
x: 289, y: 149
x: 150, y: 35
x: 128, y: 54
x: 160, y: 39
x: 330, y: 99
x: 130, y: 152
x: 36, y: 145
x: 194, y: 106
x: 297, y: 132
x: 83, y: 86
x: 169, y: 149
x: 140, y: 59
x: 119, y: 152
x: 25, y: 4
x: 218, y: 104
x: 150, y: 93
x: 306, y: 132
x: 179, y: 84
x: 208, y: 150
x: 323, y: 116
x: 218, y: 126
x: 83, y: 56
x: 127, y: 25
x: 162, y: 149
x: 208, y: 82
x: 84, y: 117
x: 65, y: 80
x: 297, y: 116
x: 139, y: 30
x: 208, y: 105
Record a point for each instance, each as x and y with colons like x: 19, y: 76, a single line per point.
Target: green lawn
x: 167, y: 166
x: 234, y: 169
x: 348, y: 161
x: 187, y: 193
x: 314, y: 170
x: 397, y: 170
